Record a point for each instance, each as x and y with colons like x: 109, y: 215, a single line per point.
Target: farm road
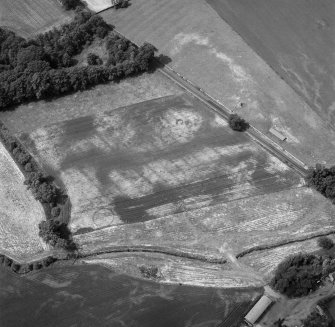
x: 224, y: 112
x: 269, y: 145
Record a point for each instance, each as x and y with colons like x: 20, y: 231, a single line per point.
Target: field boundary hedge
x: 283, y: 243
x: 25, y: 268
x: 53, y: 199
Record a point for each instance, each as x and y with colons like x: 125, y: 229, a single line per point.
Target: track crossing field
x: 296, y: 38
x: 30, y: 17
x: 206, y: 50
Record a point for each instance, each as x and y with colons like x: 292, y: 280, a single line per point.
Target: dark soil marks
x: 94, y: 296
x: 159, y: 157
x: 296, y: 38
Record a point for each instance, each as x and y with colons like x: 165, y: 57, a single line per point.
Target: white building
x: 258, y: 309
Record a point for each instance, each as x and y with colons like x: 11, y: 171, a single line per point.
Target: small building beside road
x: 258, y: 309
x: 277, y: 134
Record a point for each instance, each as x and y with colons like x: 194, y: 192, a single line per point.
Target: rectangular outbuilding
x: 277, y: 134
x: 258, y: 309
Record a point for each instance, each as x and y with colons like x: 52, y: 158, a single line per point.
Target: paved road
x: 263, y: 140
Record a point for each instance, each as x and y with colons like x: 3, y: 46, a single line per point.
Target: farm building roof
x: 277, y: 134
x: 258, y: 309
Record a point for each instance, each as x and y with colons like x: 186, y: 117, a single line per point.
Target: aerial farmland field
x: 153, y: 159
x: 170, y: 173
x: 94, y: 296
x: 30, y: 17
x: 20, y: 213
x: 95, y: 100
x: 296, y: 38
x: 207, y: 51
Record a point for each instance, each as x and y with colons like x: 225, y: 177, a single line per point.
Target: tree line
x: 44, y: 190
x: 300, y: 274
x: 26, y: 267
x: 44, y: 66
x: 323, y: 180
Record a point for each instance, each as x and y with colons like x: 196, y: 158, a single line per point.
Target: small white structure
x: 100, y: 5
x: 258, y: 309
x: 277, y: 134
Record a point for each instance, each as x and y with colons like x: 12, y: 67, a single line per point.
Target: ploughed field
x: 94, y: 296
x: 153, y: 159
x: 30, y: 17
x: 296, y: 38
x: 206, y: 50
x: 20, y: 213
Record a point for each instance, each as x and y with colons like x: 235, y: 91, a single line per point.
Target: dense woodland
x: 300, y: 274
x: 323, y: 180
x: 45, y: 67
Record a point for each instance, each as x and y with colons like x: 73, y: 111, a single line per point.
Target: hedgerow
x: 43, y: 189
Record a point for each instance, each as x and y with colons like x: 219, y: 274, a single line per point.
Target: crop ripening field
x: 30, y: 17
x: 20, y: 212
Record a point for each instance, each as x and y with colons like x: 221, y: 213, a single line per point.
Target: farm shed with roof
x: 258, y: 309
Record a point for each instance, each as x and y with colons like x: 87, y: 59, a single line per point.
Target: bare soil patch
x: 20, y: 213
x: 30, y: 17
x: 206, y: 50
x: 174, y: 270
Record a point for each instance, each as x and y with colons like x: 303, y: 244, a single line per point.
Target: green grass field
x: 207, y: 51
x: 30, y: 17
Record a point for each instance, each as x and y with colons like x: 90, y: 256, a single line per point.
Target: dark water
x: 94, y: 296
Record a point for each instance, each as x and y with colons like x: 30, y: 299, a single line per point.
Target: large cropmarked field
x: 20, y: 213
x: 153, y: 159
x: 169, y: 172
x: 30, y: 17
x: 296, y: 38
x: 207, y: 51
